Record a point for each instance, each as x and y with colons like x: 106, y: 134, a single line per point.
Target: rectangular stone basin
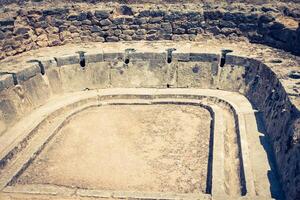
x: 147, y: 148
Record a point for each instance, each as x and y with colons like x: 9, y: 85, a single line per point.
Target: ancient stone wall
x: 28, y: 29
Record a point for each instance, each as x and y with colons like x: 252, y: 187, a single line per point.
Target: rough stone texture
x: 30, y: 28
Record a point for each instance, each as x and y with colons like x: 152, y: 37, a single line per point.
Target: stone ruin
x: 149, y: 99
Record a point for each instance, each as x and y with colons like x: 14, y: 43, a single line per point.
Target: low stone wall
x: 24, y: 90
x: 27, y: 29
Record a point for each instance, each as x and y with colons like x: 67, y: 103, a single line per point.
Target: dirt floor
x: 157, y: 148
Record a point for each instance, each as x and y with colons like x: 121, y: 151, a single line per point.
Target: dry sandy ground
x: 157, y: 148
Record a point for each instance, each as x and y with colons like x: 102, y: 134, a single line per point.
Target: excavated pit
x: 140, y: 125
x: 151, y: 148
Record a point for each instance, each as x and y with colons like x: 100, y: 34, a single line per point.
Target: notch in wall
x: 224, y: 52
x: 41, y: 66
x: 127, y: 55
x: 14, y: 76
x: 169, y: 54
x: 82, y: 60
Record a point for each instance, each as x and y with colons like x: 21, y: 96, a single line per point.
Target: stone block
x: 6, y: 81
x: 28, y: 72
x: 112, y: 39
x: 125, y: 10
x: 155, y: 20
x: 128, y: 32
x: 93, y: 58
x: 105, y: 22
x: 101, y: 14
x: 67, y: 60
x: 213, y: 15
x: 7, y: 22
x: 179, y: 31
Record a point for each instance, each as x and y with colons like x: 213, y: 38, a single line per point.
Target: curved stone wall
x: 24, y: 90
x: 33, y: 27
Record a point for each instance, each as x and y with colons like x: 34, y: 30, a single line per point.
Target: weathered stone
x: 215, y: 30
x: 153, y: 26
x: 157, y: 13
x: 247, y: 27
x: 76, y: 23
x: 144, y: 13
x: 99, y: 39
x: 134, y: 27
x: 105, y: 22
x: 128, y: 20
x: 73, y: 29
x: 7, y: 22
x: 138, y: 37
x: 152, y: 31
x: 141, y: 32
x: 140, y: 21
x: 52, y: 37
x: 63, y: 28
x: 95, y: 29
x: 117, y: 32
x: 125, y: 37
x: 172, y: 17
x: 65, y: 35
x: 86, y: 22
x: 112, y: 39
x: 72, y: 17
x: 228, y: 31
x: 266, y: 18
x: 7, y: 28
x: 2, y: 35
x: 118, y: 21
x: 57, y: 22
x: 192, y: 31
x: 82, y: 16
x: 105, y: 28
x: 228, y: 24
x: 101, y: 14
x: 155, y: 20
x: 167, y: 27
x: 42, y: 43
x: 125, y: 10
x: 55, y: 11
x: 52, y: 29
x: 21, y: 30
x: 54, y: 43
x: 179, y: 31
x: 42, y: 37
x: 213, y: 15
x: 151, y: 37
x: 128, y: 32
x: 123, y: 27
x: 252, y: 18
